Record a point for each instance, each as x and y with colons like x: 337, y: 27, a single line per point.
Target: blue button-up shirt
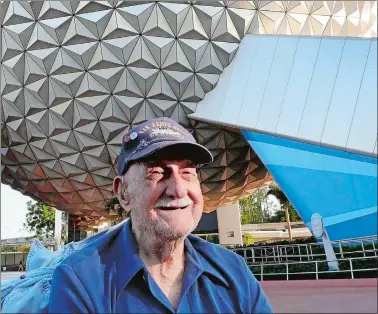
x: 109, y: 277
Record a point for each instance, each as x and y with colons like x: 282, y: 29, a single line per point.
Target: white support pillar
x: 229, y: 226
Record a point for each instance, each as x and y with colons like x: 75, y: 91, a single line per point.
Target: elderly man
x: 151, y: 263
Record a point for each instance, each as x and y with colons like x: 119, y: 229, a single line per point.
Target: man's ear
x: 121, y: 193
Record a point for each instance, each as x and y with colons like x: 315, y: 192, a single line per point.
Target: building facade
x: 270, y: 87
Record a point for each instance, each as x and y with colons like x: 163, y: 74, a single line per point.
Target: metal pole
x: 312, y: 257
x: 262, y: 265
x: 286, y: 253
x: 351, y: 268
x: 341, y: 250
x: 316, y: 270
x: 300, y: 254
x: 287, y: 271
x: 363, y: 248
x: 308, y: 256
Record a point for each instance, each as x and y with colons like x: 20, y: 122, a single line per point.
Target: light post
x: 288, y: 222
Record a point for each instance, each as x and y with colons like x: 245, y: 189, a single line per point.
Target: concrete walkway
x: 5, y: 275
x: 323, y: 296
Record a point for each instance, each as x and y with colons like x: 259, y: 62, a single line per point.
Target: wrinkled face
x: 165, y: 198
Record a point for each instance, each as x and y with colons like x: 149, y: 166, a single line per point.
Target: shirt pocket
x: 212, y: 296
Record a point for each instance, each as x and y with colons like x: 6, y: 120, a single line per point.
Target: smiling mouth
x: 172, y: 207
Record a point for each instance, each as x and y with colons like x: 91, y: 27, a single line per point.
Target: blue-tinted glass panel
x: 321, y: 88
x: 257, y: 81
x: 298, y: 86
x: 213, y: 102
x: 363, y: 132
x: 240, y: 75
x: 277, y: 83
x: 345, y: 93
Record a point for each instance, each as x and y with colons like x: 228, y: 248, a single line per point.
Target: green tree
x: 251, y: 209
x: 287, y: 212
x: 248, y: 239
x: 24, y: 248
x: 280, y: 215
x: 16, y: 248
x: 40, y: 218
x: 255, y: 208
x: 9, y: 248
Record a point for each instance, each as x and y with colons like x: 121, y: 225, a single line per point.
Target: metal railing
x: 307, y: 251
x: 258, y: 269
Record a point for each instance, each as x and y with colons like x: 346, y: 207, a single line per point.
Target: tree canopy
x: 279, y: 216
x: 255, y: 208
x: 40, y: 218
x: 252, y: 209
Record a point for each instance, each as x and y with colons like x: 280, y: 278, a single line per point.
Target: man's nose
x: 176, y: 187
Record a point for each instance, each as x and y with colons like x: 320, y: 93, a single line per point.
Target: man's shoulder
x: 94, y: 251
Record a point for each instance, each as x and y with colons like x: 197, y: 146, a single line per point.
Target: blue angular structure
x: 339, y: 185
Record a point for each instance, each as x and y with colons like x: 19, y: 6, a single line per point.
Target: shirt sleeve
x: 259, y: 302
x: 68, y: 294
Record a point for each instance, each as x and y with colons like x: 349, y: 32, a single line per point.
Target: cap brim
x: 173, y: 150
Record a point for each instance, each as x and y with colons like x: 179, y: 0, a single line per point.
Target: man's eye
x: 157, y: 171
x: 189, y: 171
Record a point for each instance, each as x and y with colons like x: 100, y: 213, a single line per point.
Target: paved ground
x: 323, y: 296
x: 310, y: 296
x: 10, y: 274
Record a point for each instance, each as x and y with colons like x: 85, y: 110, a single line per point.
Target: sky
x: 13, y: 212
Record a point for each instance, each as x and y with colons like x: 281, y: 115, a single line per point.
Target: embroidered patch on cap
x: 133, y: 135
x: 126, y: 138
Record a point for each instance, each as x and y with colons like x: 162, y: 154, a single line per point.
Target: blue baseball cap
x: 160, y: 135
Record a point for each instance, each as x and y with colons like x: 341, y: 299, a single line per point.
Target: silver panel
x: 298, y: 86
x: 277, y: 83
x: 257, y: 81
x: 345, y: 93
x: 363, y: 132
x: 77, y: 75
x: 240, y: 74
x: 211, y: 106
x: 321, y: 89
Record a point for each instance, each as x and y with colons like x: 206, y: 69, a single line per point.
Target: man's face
x: 165, y: 198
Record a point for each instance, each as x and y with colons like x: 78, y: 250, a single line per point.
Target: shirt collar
x: 126, y: 258
x: 128, y: 263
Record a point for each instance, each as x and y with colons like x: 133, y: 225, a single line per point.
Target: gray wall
x: 208, y: 222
